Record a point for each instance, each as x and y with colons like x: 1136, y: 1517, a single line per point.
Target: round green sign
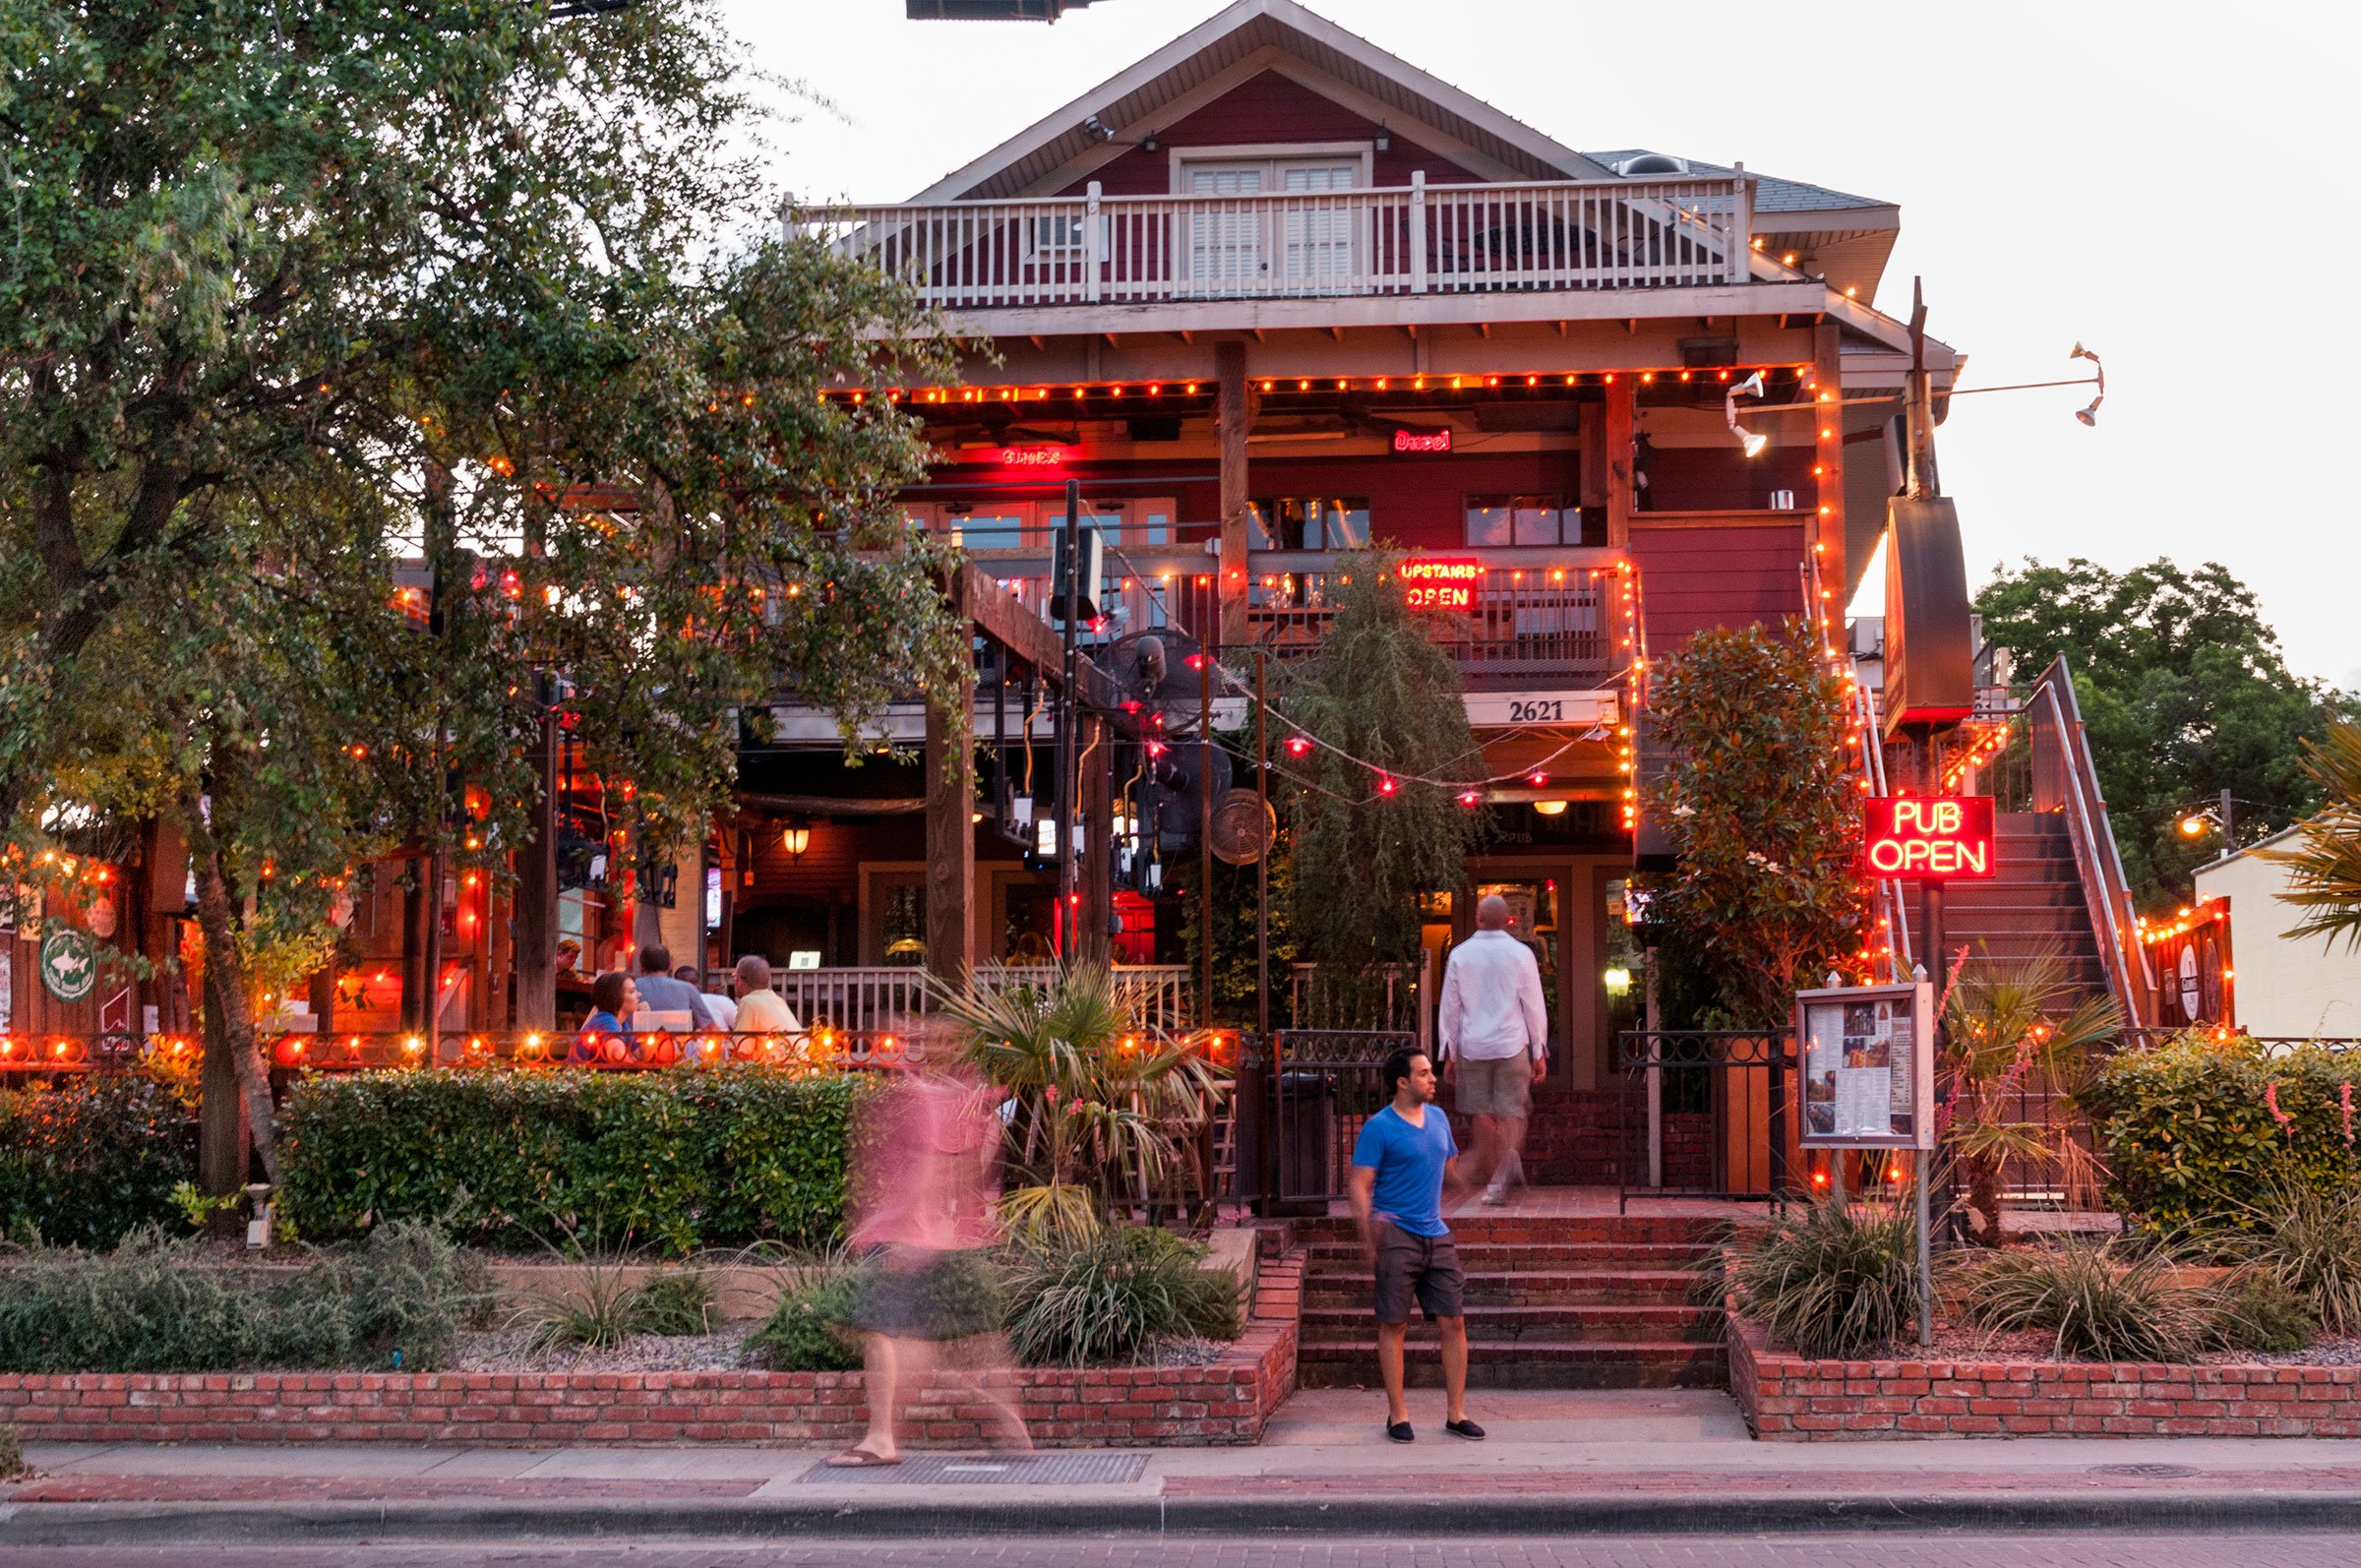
x: 69, y: 965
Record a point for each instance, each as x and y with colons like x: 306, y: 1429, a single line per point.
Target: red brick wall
x: 1789, y: 1398
x: 1227, y: 1401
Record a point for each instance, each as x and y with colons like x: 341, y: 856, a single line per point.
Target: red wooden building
x: 1271, y: 293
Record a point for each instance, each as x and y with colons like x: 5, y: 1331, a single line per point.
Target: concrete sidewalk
x: 1643, y: 1460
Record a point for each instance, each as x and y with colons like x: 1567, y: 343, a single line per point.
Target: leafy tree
x: 2184, y: 693
x: 2325, y: 862
x: 365, y: 371
x: 1382, y: 691
x: 1764, y: 816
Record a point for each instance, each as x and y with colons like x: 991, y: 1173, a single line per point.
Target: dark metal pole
x: 1262, y: 865
x: 1069, y: 726
x: 1206, y: 833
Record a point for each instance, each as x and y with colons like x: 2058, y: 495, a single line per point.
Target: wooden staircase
x: 1597, y: 1301
x: 2034, y: 904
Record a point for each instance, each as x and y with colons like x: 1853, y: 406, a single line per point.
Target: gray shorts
x: 1423, y: 1267
x: 1499, y: 1087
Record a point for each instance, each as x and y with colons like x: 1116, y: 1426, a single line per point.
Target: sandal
x: 860, y: 1459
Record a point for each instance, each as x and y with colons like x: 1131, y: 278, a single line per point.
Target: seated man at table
x: 660, y: 993
x: 760, y: 1009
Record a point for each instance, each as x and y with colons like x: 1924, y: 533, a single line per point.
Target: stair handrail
x: 2098, y: 864
x: 1873, y: 767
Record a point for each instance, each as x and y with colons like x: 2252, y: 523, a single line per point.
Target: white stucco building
x: 2287, y: 986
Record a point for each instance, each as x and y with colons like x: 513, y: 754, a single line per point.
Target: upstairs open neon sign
x: 1441, y: 582
x: 1928, y: 837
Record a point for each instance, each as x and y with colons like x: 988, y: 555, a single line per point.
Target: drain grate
x: 993, y: 1469
x: 2145, y: 1472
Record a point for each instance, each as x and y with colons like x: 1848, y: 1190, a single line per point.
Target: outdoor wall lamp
x: 1385, y: 139
x: 1618, y: 980
x: 795, y: 840
x: 1752, y: 442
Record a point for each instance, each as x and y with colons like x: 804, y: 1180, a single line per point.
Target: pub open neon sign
x: 1928, y: 837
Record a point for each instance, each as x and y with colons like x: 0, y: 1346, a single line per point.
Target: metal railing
x: 880, y: 997
x: 1730, y: 1091
x: 1535, y: 611
x: 2065, y: 780
x: 1398, y: 240
x: 1303, y: 1095
x: 823, y: 1048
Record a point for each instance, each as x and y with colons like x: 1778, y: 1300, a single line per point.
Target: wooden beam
x: 1235, y: 420
x: 950, y: 773
x: 1828, y: 467
x: 1618, y: 465
x: 996, y: 613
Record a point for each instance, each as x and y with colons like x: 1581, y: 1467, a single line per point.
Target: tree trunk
x: 1983, y: 1197
x: 229, y: 1020
x: 221, y: 1122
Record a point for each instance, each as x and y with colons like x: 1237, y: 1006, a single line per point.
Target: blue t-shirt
x: 1408, y: 1162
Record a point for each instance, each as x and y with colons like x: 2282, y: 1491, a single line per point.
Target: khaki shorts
x: 1422, y: 1266
x: 1499, y: 1087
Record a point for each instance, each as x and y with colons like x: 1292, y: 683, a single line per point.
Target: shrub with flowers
x: 2193, y: 1127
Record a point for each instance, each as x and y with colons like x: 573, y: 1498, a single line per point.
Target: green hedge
x: 679, y: 1159
x: 85, y: 1161
x: 2188, y: 1133
x: 155, y: 1306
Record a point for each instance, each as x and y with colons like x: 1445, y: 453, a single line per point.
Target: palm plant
x: 2325, y: 862
x: 1101, y: 1093
x: 2001, y: 1024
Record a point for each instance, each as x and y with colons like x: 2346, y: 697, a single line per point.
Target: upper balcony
x: 1417, y: 239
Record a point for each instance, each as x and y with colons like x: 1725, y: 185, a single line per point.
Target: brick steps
x: 1532, y: 1287
x: 1541, y: 1363
x: 1595, y: 1301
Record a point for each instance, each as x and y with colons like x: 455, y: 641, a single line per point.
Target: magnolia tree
x: 1764, y: 813
x: 370, y: 377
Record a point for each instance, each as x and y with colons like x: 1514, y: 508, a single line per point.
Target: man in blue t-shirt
x: 1401, y: 1163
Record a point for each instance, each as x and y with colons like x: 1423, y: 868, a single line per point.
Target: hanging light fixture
x: 1750, y: 440
x: 2089, y: 415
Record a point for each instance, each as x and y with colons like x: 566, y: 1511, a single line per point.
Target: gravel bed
x: 1963, y: 1342
x: 510, y: 1351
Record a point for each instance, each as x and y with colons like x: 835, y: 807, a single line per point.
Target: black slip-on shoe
x: 1465, y: 1428
x: 1400, y: 1432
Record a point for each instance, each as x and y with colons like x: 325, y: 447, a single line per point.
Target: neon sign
x: 1441, y: 582
x: 1032, y: 456
x: 1928, y: 837
x: 1423, y: 441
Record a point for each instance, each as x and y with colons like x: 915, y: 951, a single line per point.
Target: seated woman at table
x: 613, y: 1001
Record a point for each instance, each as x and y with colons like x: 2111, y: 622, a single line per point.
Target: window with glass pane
x: 1312, y: 522
x: 1003, y: 528
x: 1523, y: 519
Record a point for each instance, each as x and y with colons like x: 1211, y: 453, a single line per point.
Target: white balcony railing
x: 1413, y: 239
x: 892, y: 997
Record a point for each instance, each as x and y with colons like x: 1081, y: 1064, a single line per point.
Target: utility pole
x: 1069, y: 727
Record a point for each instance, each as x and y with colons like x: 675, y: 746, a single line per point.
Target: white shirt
x: 1492, y: 1005
x: 723, y: 1010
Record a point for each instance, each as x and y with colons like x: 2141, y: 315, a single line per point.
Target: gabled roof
x: 1143, y: 97
x: 1771, y: 194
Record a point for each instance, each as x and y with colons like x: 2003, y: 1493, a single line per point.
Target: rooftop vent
x: 1651, y: 164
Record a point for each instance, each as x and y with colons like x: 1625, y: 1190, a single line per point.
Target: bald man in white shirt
x: 1495, y: 1029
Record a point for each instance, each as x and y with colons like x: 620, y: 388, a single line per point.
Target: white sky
x: 2172, y: 183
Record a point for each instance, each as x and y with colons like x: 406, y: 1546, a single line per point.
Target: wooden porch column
x: 1618, y: 463
x: 950, y: 773
x: 536, y: 955
x: 1828, y: 467
x: 1097, y: 914
x: 1235, y: 415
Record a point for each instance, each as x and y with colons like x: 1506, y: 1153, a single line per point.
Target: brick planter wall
x: 1787, y: 1398
x: 1227, y: 1401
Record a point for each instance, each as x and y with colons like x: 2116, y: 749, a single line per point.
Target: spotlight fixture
x: 1752, y: 442
x: 2089, y: 415
x: 1098, y: 130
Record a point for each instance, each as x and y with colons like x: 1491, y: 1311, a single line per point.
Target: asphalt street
x: 1681, y: 1552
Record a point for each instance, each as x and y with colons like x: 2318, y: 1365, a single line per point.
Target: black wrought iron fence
x: 1301, y: 1098
x: 1707, y: 1113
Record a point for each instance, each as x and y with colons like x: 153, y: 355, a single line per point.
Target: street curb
x: 1435, y: 1517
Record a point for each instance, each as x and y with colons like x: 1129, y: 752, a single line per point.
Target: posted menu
x: 1860, y: 1069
